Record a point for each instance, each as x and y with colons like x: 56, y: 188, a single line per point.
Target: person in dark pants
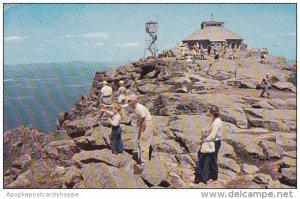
x: 116, y: 131
x: 202, y: 168
x: 205, y: 156
x: 213, y: 170
x: 215, y: 135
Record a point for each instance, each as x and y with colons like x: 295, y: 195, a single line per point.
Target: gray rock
x: 155, y: 172
x: 175, y: 180
x: 287, y: 143
x: 185, y: 159
x: 287, y: 104
x: 166, y: 146
x: 90, y: 142
x: 226, y: 150
x: 288, y: 162
x: 263, y: 105
x: 246, y: 145
x: 72, y: 177
x: 147, y: 88
x: 247, y: 84
x: 285, y: 86
x: 104, y: 156
x: 271, y: 149
x: 289, y: 176
x: 99, y: 175
x: 266, y: 181
x: 250, y: 169
x: 227, y: 163
x: 274, y: 125
x: 78, y: 127
x: 60, y: 150
x: 290, y: 154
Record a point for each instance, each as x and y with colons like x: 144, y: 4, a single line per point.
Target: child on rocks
x: 116, y: 131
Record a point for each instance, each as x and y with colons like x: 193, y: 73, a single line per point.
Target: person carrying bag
x: 205, y: 153
x: 207, y: 165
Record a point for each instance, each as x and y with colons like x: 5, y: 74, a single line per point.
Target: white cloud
x: 291, y: 34
x: 14, y: 38
x: 88, y: 35
x: 128, y: 44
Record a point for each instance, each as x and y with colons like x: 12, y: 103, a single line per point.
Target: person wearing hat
x: 266, y: 83
x: 122, y: 89
x: 106, y: 93
x: 145, y: 128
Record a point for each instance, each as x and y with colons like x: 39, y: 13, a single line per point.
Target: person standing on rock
x: 202, y: 54
x: 215, y: 135
x: 106, y: 94
x: 121, y: 90
x: 116, y: 131
x: 207, y: 165
x: 145, y: 128
x: 266, y: 83
x: 208, y: 49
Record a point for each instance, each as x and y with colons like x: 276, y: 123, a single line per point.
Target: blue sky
x: 41, y: 33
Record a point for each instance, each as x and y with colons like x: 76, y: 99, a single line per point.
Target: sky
x: 43, y: 33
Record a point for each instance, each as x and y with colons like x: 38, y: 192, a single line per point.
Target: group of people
x: 127, y: 105
x: 207, y: 168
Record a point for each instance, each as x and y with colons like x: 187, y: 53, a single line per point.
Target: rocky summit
x: 259, y: 136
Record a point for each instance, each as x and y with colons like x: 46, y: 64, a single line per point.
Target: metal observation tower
x: 151, y: 38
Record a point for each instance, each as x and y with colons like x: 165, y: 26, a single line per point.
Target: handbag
x: 208, y: 147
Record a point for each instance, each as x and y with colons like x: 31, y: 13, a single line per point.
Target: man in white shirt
x: 145, y: 128
x: 106, y: 94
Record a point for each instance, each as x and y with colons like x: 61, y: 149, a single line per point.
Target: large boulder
x: 188, y: 130
x: 99, y: 175
x: 276, y: 120
x: 285, y: 86
x: 289, y: 176
x: 72, y: 177
x: 155, y: 172
x: 246, y: 146
x: 166, y: 146
x: 271, y: 149
x: 287, y: 162
x: 227, y: 163
x: 266, y: 181
x: 60, y: 150
x: 286, y: 143
x: 78, y: 127
x: 23, y: 140
x: 38, y: 176
x: 274, y: 125
x: 147, y: 88
x: 226, y: 150
x: 103, y: 156
x: 247, y: 84
x: 286, y: 104
x: 91, y: 142
x: 185, y: 160
x: 23, y: 162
